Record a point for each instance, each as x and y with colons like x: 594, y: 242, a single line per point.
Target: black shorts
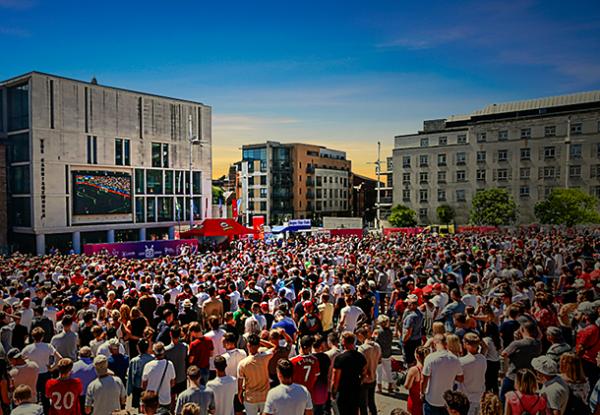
x: 237, y: 405
x: 178, y: 388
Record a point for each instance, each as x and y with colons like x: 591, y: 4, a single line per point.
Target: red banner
x: 234, y: 210
x: 258, y: 224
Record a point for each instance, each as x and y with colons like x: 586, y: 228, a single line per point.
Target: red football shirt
x: 64, y: 396
x: 306, y: 371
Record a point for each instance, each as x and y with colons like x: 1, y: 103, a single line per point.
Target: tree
x: 493, y: 207
x: 445, y: 214
x: 402, y: 216
x: 567, y: 207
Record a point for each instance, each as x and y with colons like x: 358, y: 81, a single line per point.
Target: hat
x: 412, y: 299
x: 585, y: 307
x: 264, y: 305
x: 14, y: 353
x: 545, y: 365
x: 101, y: 365
x: 437, y: 286
x: 187, y: 303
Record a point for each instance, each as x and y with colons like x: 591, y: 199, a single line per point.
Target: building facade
x: 90, y: 163
x: 283, y: 181
x: 526, y: 147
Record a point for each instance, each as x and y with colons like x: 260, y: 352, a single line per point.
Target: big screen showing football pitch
x: 101, y: 192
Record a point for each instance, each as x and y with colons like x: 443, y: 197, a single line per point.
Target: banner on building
x: 144, y: 249
x: 234, y: 208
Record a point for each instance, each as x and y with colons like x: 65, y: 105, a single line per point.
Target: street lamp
x: 193, y: 140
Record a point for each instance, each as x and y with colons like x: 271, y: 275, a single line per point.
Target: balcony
x: 310, y: 195
x: 310, y: 169
x: 310, y: 182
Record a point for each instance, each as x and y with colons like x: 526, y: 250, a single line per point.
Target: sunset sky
x: 340, y: 74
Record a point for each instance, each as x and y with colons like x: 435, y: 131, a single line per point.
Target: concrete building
x: 293, y: 181
x: 527, y: 147
x: 364, y: 198
x: 92, y: 163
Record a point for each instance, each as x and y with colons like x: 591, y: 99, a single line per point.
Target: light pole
x: 378, y: 164
x: 194, y: 140
x: 568, y: 155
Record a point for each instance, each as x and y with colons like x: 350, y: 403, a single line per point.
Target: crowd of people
x: 465, y: 324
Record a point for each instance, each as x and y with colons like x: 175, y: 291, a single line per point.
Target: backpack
x: 576, y: 405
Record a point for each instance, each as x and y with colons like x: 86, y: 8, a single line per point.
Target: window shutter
x: 557, y: 151
x: 540, y: 172
x: 495, y: 174
x: 509, y: 174
x: 557, y: 172
x: 541, y: 153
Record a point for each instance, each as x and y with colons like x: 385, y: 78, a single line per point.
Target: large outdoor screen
x: 101, y: 192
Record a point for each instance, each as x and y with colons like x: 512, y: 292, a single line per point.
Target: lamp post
x: 568, y: 155
x: 193, y: 140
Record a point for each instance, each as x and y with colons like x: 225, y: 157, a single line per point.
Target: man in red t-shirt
x: 64, y: 392
x: 306, y: 365
x: 200, y: 350
x: 587, y: 343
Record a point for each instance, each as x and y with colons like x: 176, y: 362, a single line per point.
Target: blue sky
x: 344, y: 74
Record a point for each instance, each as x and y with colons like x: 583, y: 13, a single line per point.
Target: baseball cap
x: 437, y: 286
x: 307, y: 304
x: 545, y: 365
x: 101, y: 364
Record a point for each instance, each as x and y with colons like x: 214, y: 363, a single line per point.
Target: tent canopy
x: 217, y: 227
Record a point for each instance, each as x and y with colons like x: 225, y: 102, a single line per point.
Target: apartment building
x: 526, y: 147
x: 283, y: 181
x: 92, y: 163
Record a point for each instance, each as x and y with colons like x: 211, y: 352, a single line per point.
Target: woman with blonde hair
x: 454, y: 344
x: 525, y: 397
x: 490, y: 405
x: 571, y: 370
x: 436, y: 328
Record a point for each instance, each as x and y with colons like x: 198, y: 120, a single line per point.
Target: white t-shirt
x: 217, y: 338
x: 233, y: 358
x: 440, y: 301
x: 224, y: 389
x: 470, y: 300
x: 441, y: 367
x: 153, y: 372
x: 40, y: 353
x: 473, y: 367
x: 291, y: 399
x: 350, y: 316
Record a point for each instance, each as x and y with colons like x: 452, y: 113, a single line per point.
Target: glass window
x: 424, y: 142
x: 197, y: 182
x: 502, y: 174
x: 139, y: 181
x: 20, y: 211
x: 423, y: 160
x: 576, y: 128
x: 502, y: 155
x: 165, y: 209
x: 150, y: 209
x: 423, y: 213
x: 525, y: 132
x: 461, y: 158
x: 524, y: 191
x: 156, y: 156
x: 405, y: 161
x: 441, y: 177
x: 19, y: 179
x: 441, y: 195
x: 481, y: 156
x: 139, y: 209
x: 423, y: 195
x: 503, y: 135
x: 575, y: 151
x: 119, y: 151
x: 319, y: 180
x: 524, y: 172
x: 461, y: 195
x: 550, y: 131
x: 169, y: 175
x: 481, y: 137
x: 441, y: 159
x: 406, y: 195
x: 179, y: 182
x: 423, y: 177
x: 405, y: 177
x: 461, y: 139
x: 154, y: 181
x: 575, y: 171
x: 18, y: 147
x: 165, y: 155
x: 549, y: 152
x: 526, y: 153
x: 18, y: 107
x: 442, y: 141
x: 197, y: 207
x: 461, y: 176
x: 127, y: 152
x: 481, y: 175
x: 180, y: 208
